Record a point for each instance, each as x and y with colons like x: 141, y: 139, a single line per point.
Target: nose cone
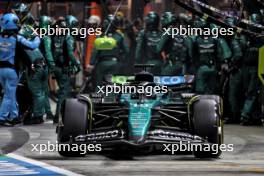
x: 139, y: 122
x: 139, y: 118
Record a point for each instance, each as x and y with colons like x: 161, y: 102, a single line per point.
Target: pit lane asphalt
x: 246, y: 159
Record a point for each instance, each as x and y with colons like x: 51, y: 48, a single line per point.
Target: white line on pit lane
x: 43, y: 165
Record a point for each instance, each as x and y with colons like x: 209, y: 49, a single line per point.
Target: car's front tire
x: 207, y: 123
x: 73, y: 122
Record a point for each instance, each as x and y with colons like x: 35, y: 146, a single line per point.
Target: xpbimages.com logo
x: 197, y: 147
x: 128, y: 89
x: 56, y: 147
x: 192, y: 31
x: 60, y: 31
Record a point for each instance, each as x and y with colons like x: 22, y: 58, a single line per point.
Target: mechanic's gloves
x: 39, y: 63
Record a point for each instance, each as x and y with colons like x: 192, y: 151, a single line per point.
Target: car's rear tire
x: 74, y: 118
x: 207, y: 123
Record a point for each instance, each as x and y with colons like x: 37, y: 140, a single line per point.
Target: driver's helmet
x: 144, y: 77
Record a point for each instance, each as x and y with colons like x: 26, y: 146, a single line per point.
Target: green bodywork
x: 140, y: 109
x: 139, y: 115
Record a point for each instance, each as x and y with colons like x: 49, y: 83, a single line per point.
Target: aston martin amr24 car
x: 143, y: 122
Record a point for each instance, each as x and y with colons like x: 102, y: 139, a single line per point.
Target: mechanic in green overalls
x: 45, y: 47
x: 177, y: 49
x: 36, y: 69
x: 209, y: 52
x: 238, y: 45
x: 65, y: 61
x: 196, y: 22
x: 250, y: 75
x: 147, y: 42
x: 108, y: 61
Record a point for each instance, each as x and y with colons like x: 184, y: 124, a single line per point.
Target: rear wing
x: 161, y: 80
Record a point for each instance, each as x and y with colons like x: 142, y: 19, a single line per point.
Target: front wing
x: 119, y: 136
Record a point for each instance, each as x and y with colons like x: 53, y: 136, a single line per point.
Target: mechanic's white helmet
x: 94, y: 19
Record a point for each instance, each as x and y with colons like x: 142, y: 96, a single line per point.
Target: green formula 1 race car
x: 143, y: 121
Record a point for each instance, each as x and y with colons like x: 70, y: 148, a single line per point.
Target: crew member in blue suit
x: 9, y: 78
